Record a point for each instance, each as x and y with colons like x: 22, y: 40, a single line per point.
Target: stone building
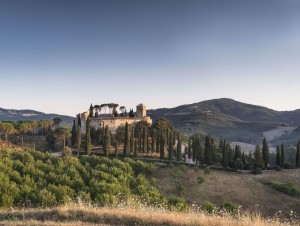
x: 111, y: 121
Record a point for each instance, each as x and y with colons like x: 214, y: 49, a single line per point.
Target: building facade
x: 111, y: 121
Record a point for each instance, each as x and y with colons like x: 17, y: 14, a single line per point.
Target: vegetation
x: 287, y: 188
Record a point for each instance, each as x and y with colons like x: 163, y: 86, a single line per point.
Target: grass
x: 245, y: 190
x: 287, y: 188
x: 76, y: 214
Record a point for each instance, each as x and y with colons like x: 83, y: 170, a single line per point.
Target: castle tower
x: 141, y: 111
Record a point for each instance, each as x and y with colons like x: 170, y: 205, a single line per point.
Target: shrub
x: 209, y: 207
x: 230, y: 207
x: 287, y: 188
x: 177, y: 203
x: 200, y: 180
x: 256, y: 171
x: 278, y: 168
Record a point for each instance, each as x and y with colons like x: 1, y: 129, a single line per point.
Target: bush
x: 200, y: 180
x: 278, y: 168
x: 230, y: 207
x: 256, y: 171
x: 287, y: 188
x: 177, y: 203
x: 209, y: 208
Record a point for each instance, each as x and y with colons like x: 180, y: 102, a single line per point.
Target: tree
x: 225, y: 155
x: 266, y: 152
x: 88, y: 137
x: 74, y: 134
x: 62, y: 133
x: 282, y: 156
x: 7, y: 128
x: 91, y: 115
x: 278, y: 156
x: 126, y: 141
x: 298, y: 155
x: 78, y: 139
x: 189, y: 149
x: 162, y: 146
x: 106, y: 146
x: 258, y: 157
x: 57, y: 120
x: 179, y: 149
x: 170, y: 148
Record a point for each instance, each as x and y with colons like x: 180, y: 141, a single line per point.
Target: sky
x: 60, y: 56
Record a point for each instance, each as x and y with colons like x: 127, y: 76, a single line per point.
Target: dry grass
x: 245, y: 190
x: 87, y: 215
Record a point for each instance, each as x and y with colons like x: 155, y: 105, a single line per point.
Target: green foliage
x: 209, y: 207
x: 33, y: 179
x: 230, y: 207
x: 287, y: 188
x: 256, y: 171
x: 200, y: 180
x: 177, y: 203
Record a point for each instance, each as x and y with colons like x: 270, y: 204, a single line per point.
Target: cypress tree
x: 144, y: 140
x: 258, y: 157
x: 282, y: 155
x: 139, y: 138
x: 126, y: 140
x: 225, y: 155
x: 131, y: 140
x: 179, y: 149
x: 170, y: 148
x: 78, y: 139
x: 106, y: 141
x: 266, y: 153
x: 74, y: 134
x: 278, y: 156
x: 88, y: 137
x: 298, y: 155
x: 243, y: 158
x: 195, y: 148
x: 147, y: 141
x: 162, y: 146
x: 189, y: 149
x: 152, y: 143
x: 157, y: 142
x: 135, y: 148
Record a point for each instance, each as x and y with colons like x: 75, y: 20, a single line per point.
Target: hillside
x: 232, y: 120
x: 14, y: 115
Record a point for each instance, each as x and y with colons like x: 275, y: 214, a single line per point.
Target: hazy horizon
x: 61, y: 56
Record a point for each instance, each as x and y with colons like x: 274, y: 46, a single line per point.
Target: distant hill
x: 233, y: 120
x: 14, y: 115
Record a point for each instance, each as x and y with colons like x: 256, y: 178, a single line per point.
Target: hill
x: 233, y: 120
x: 15, y: 115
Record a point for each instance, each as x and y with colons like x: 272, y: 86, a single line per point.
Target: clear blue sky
x: 60, y: 56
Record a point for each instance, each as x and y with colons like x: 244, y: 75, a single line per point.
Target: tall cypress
x: 225, y: 155
x: 298, y: 155
x: 179, y: 149
x: 131, y: 141
x: 266, y: 153
x: 157, y: 142
x: 170, y: 147
x: 78, y: 139
x: 258, y: 157
x: 282, y: 156
x: 162, y: 146
x: 152, y: 143
x: 126, y: 140
x: 88, y: 137
x: 107, y: 141
x: 74, y: 134
x: 278, y: 156
x: 189, y: 149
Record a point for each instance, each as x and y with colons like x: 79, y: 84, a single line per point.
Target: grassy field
x: 198, y: 186
x: 87, y: 215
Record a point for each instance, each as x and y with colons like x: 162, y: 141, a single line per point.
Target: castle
x: 112, y: 120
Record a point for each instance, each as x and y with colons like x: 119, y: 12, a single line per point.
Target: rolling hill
x: 14, y: 115
x: 233, y: 120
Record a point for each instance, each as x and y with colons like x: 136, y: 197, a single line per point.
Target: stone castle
x: 112, y: 120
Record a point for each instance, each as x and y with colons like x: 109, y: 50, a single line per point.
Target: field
x: 87, y: 215
x: 198, y: 186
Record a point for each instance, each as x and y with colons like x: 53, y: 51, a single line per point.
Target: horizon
x: 61, y: 56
